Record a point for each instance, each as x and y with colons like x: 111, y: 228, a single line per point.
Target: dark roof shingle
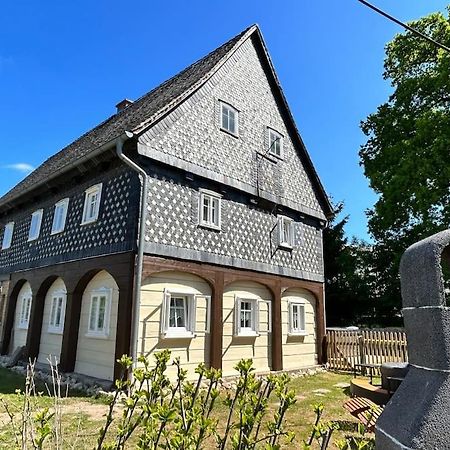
x: 130, y: 118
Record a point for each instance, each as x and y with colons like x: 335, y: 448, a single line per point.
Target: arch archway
x: 247, y: 325
x: 47, y: 344
x: 175, y: 306
x: 21, y: 311
x: 299, y: 328
x: 97, y: 299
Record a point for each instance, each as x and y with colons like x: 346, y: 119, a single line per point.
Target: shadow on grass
x: 347, y: 426
x: 11, y: 381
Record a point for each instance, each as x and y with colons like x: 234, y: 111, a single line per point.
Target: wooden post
x: 216, y: 326
x: 277, y: 348
x: 70, y: 334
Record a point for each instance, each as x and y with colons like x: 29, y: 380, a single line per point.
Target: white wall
x: 96, y: 355
x: 19, y: 338
x: 50, y: 344
x: 191, y: 351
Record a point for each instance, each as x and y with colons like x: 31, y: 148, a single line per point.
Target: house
x: 191, y: 220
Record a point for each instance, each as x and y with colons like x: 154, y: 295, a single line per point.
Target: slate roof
x: 131, y: 118
x: 139, y: 116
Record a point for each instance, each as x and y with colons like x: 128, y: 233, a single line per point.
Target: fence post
x: 362, y: 356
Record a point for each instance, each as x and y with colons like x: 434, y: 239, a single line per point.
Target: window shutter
x: 291, y: 318
x: 237, y: 315
x: 165, y: 305
x: 208, y: 314
x: 256, y: 306
x: 192, y: 313
x: 195, y: 208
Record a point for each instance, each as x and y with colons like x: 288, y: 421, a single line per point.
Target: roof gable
x: 148, y: 109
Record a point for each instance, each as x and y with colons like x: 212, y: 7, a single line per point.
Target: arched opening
x: 22, y: 315
x: 174, y: 314
x: 96, y: 342
x: 52, y: 328
x: 247, y: 325
x: 298, y: 316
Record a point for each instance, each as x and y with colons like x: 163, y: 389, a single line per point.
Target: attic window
x: 229, y: 118
x: 275, y: 142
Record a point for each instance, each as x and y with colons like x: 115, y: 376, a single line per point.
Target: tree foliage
x: 407, y: 154
x: 349, y: 283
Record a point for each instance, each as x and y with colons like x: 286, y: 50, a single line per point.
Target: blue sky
x: 64, y: 65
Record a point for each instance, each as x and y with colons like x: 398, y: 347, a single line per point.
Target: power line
x: 404, y: 25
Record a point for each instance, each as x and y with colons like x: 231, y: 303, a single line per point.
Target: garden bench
x: 366, y: 411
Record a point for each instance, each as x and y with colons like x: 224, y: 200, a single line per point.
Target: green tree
x: 348, y: 287
x: 407, y: 153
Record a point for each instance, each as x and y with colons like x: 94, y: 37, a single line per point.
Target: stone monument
x: 418, y: 415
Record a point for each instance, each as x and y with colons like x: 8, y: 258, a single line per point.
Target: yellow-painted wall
x: 236, y: 348
x: 95, y: 355
x: 20, y: 334
x: 191, y: 351
x: 50, y: 345
x: 299, y: 351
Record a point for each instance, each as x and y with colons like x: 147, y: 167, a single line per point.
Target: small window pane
x: 93, y: 316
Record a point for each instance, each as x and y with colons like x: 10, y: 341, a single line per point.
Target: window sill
x: 179, y: 335
x: 87, y: 222
x: 247, y: 334
x: 284, y: 246
x: 236, y: 136
x: 270, y: 156
x: 298, y: 333
x: 210, y: 227
x: 22, y: 327
x: 33, y: 239
x: 52, y: 233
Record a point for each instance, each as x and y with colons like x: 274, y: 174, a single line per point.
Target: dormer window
x: 285, y: 232
x: 35, y: 225
x: 275, y: 141
x: 228, y: 118
x: 59, y: 216
x: 7, y: 235
x: 209, y: 209
x: 91, y: 204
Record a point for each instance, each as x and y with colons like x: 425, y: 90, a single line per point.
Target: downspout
x: 136, y: 306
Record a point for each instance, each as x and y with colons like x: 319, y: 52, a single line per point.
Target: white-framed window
x: 7, y: 235
x: 210, y: 209
x: 229, y: 118
x: 25, y: 310
x: 297, y: 318
x: 285, y: 232
x: 178, y: 314
x: 99, y: 313
x: 35, y: 225
x: 57, y: 312
x: 59, y: 216
x: 246, y: 319
x: 91, y: 204
x: 275, y: 142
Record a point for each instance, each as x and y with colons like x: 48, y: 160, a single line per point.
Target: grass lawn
x: 83, y: 416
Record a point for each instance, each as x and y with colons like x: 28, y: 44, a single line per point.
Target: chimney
x: 123, y: 104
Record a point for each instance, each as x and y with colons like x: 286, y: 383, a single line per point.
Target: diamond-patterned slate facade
x: 113, y: 232
x: 248, y: 233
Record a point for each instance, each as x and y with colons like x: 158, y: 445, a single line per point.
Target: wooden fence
x: 345, y: 348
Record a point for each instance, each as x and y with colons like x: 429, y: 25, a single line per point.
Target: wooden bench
x: 366, y: 411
